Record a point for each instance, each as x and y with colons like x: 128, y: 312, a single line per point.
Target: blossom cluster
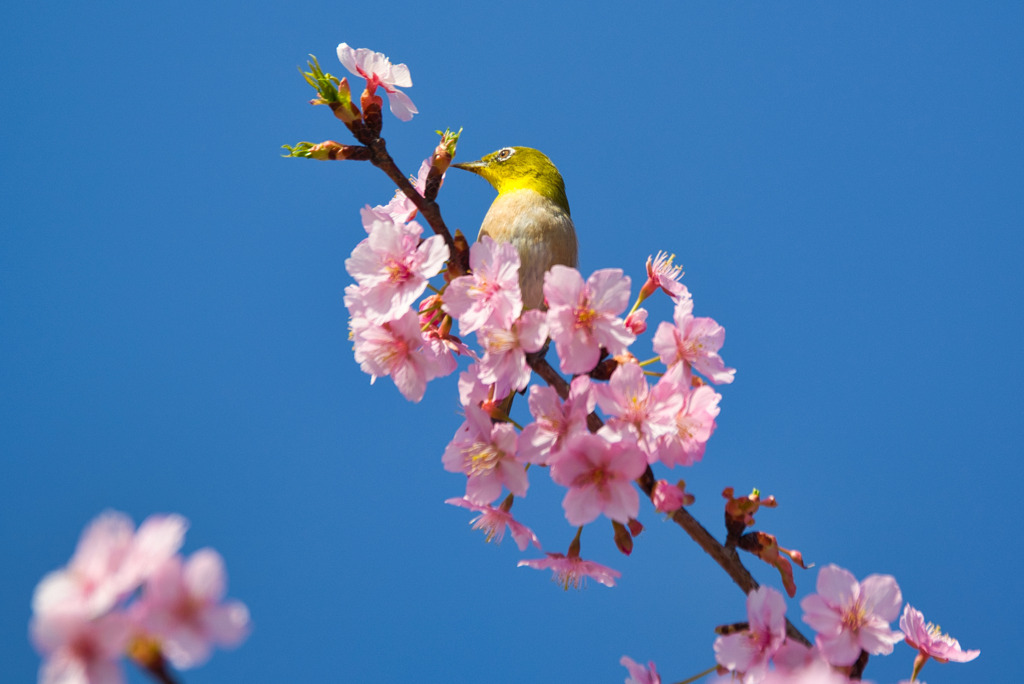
x: 666, y: 422
x: 128, y: 592
x: 849, y: 617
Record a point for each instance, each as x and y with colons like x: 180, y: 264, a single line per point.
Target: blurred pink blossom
x: 638, y: 674
x: 78, y: 649
x: 111, y: 561
x: 183, y: 605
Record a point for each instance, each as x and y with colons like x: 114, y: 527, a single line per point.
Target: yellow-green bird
x: 531, y: 211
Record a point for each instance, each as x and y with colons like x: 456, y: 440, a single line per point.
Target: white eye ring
x: 505, y: 152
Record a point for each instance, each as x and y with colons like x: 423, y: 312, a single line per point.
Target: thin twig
x: 428, y: 209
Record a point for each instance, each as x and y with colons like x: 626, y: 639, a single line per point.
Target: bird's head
x: 518, y: 168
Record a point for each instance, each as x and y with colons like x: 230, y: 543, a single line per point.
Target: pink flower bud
x: 636, y: 322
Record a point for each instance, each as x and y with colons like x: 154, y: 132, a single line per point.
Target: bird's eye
x: 505, y: 153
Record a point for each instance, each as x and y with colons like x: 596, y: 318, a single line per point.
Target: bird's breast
x: 542, y: 232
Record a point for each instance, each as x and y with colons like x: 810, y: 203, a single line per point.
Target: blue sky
x: 841, y: 182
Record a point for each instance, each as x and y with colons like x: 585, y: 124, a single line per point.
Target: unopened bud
x: 345, y: 109
x: 328, y: 150
x: 637, y: 322
x: 441, y: 159
x: 446, y: 327
x: 430, y: 311
x: 740, y: 510
x: 623, y: 539
x: 668, y: 498
x: 331, y: 150
x: 372, y: 117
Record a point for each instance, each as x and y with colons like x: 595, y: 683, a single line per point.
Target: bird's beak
x: 473, y: 166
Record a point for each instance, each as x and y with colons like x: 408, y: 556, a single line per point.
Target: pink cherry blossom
x: 631, y: 403
x: 817, y: 672
x: 693, y: 423
x: 638, y: 674
x: 554, y: 421
x: 694, y: 342
x: 400, y: 209
x: 435, y: 327
x: 354, y: 301
x: 398, y: 349
x: 851, y: 616
x: 584, y: 317
x: 392, y: 267
x: 667, y: 498
x: 599, y: 474
x: 490, y: 295
x: 486, y: 453
x: 930, y: 641
x: 78, y: 649
x: 749, y: 651
x: 504, y: 363
x: 661, y: 272
x: 183, y: 606
x: 493, y: 521
x: 475, y: 392
x: 378, y: 70
x: 395, y: 211
x: 793, y: 656
x: 111, y: 561
x: 441, y: 351
x: 572, y: 571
